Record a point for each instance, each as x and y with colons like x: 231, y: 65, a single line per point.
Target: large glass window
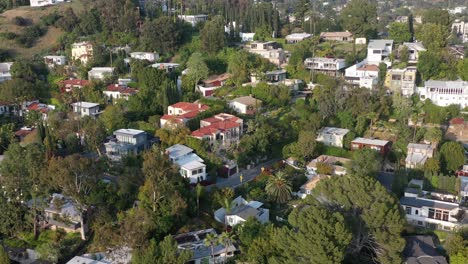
x: 445, y: 216
x: 431, y: 213
x: 408, y: 210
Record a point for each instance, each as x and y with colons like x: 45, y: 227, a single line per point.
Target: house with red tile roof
x: 116, y: 91
x: 224, y: 128
x: 208, y: 86
x: 69, y: 85
x: 42, y: 109
x: 181, y: 112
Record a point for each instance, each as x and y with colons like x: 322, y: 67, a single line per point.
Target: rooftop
x: 369, y: 67
x: 187, y: 106
x: 334, y: 130
x: 277, y: 72
x: 247, y: 100
x: 214, y: 78
x: 121, y: 89
x: 414, y: 46
x: 85, y: 104
x: 446, y: 84
x: 420, y: 146
x: 298, y: 36
x: 379, y: 43
x: 336, y: 34
x: 102, y: 69
x: 129, y: 131
x: 74, y: 82
x: 178, y: 150
x: 421, y: 250
x: 423, y: 202
x: 246, y: 211
x: 369, y: 141
x: 323, y: 59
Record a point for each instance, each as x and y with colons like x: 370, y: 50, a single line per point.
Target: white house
x: 86, y: 109
x: 193, y: 19
x: 246, y: 105
x: 180, y: 113
x: 82, y: 51
x: 362, y: 74
x: 100, y: 73
x: 247, y: 37
x: 332, y: 136
x: 149, y: 56
x: 379, y: 50
x: 38, y: 3
x: 461, y: 28
x: 269, y: 50
x: 329, y: 66
x: 297, y: 37
x: 166, y: 66
x: 445, y: 93
x: 418, y: 155
x: 191, y: 165
x: 201, y: 253
x: 241, y: 210
x: 5, y: 71
x: 337, y: 165
x: 433, y: 214
x: 116, y: 91
x: 209, y: 85
x: 126, y: 142
x: 414, y: 48
x: 463, y: 187
x: 52, y: 61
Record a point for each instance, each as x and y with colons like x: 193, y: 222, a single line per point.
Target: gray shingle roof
x: 421, y: 202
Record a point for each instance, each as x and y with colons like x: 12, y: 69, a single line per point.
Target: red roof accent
x: 214, y: 128
x: 368, y: 67
x: 75, y: 82
x: 457, y: 121
x: 121, y: 89
x: 186, y: 106
x: 23, y: 132
x: 38, y: 107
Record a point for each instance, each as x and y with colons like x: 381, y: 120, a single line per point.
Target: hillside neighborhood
x: 288, y: 131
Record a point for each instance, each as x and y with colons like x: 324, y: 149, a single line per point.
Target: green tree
x: 94, y: 135
x: 211, y: 241
x: 278, y: 187
x: 433, y: 135
x: 199, y: 191
x: 238, y: 67
x: 462, y: 67
x: 429, y: 64
x: 452, y: 156
x: 227, y: 240
x: 113, y: 118
x: 432, y: 166
x: 433, y: 36
x: 4, y: 259
x: 161, y: 35
x: 360, y: 18
x: 404, y: 54
x: 436, y: 16
x: 163, y: 252
x: 366, y: 162
x: 399, y: 32
x: 212, y: 35
x: 197, y: 69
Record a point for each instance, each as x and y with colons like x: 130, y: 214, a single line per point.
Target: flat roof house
x: 5, y: 71
x: 297, y: 37
x: 195, y: 242
x: 329, y: 66
x: 52, y: 61
x: 414, y: 48
x: 269, y: 50
x: 193, y: 19
x: 382, y: 146
x: 69, y: 85
x: 180, y: 113
x: 100, y: 73
x: 116, y: 91
x: 82, y: 51
x: 402, y: 81
x: 332, y: 136
x: 165, y: 66
x: 191, y: 165
x: 445, y: 93
x: 149, y: 56
x: 418, y: 155
x: 345, y: 36
x: 126, y: 142
x: 86, y: 109
x: 379, y: 50
x: 241, y: 210
x: 246, y: 105
x: 362, y: 74
x: 223, y: 128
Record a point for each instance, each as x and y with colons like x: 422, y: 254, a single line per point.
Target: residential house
x: 275, y: 76
x: 71, y: 84
x: 180, y: 113
x: 332, y: 136
x: 306, y: 188
x: 114, y: 92
x: 201, y: 253
x: 418, y: 154
x: 345, y: 36
x: 61, y: 213
x: 382, y: 146
x: 432, y: 212
x: 457, y: 10
x: 247, y: 37
x: 223, y: 128
x: 461, y: 28
x: 149, y: 56
x: 362, y: 75
x: 191, y: 165
x: 41, y: 109
x: 269, y: 50
x: 402, y: 81
x: 240, y: 211
x: 126, y: 142
x: 445, y: 93
x: 401, y: 19
x: 337, y: 165
x: 5, y: 74
x: 6, y: 108
x: 165, y: 66
x: 414, y: 48
x: 39, y: 3
x: 246, y: 105
x: 82, y: 51
x: 297, y: 37
x: 52, y: 61
x: 463, y: 192
x: 23, y: 132
x: 379, y: 50
x: 208, y: 86
x: 193, y: 19
x: 457, y: 131
x: 329, y: 66
x: 100, y: 73
x: 86, y: 109
x: 420, y: 249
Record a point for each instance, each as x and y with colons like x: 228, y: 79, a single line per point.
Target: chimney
x: 199, y: 106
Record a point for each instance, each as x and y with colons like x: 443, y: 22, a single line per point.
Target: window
x: 438, y: 215
x: 431, y: 213
x: 376, y: 52
x: 408, y: 210
x: 445, y: 216
x: 416, y: 212
x: 420, y: 223
x: 396, y: 77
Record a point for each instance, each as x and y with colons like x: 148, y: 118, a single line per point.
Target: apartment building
x: 329, y: 66
x: 402, y: 81
x: 445, y: 93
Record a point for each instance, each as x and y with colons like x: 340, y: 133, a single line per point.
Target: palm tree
x: 226, y: 239
x: 227, y: 204
x: 279, y: 188
x: 210, y: 241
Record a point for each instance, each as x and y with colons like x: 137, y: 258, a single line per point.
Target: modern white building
x: 246, y: 105
x: 297, y: 37
x: 414, y: 48
x: 126, y: 142
x: 5, y: 71
x: 201, y: 253
x: 241, y: 210
x: 193, y: 19
x: 191, y: 165
x: 247, y: 37
x: 445, y: 93
x: 269, y: 50
x: 82, y: 51
x: 379, y: 50
x: 362, y: 74
x: 149, y: 56
x: 332, y: 136
x: 418, y: 154
x: 38, y: 3
x: 100, y: 73
x: 328, y: 66
x: 52, y: 61
x: 86, y: 109
x: 461, y: 28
